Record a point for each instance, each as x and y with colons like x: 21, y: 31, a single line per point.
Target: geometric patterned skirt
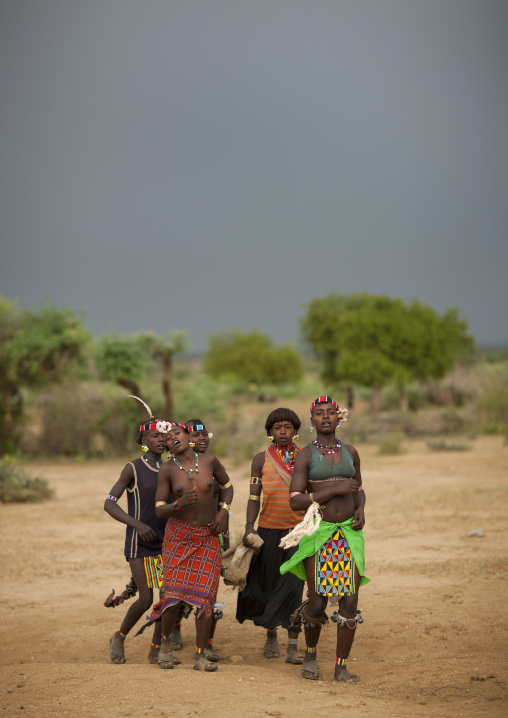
x: 335, y: 567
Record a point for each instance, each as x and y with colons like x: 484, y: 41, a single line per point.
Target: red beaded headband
x: 342, y: 413
x: 324, y: 400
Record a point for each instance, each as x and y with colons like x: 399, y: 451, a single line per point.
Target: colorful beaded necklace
x: 286, y: 453
x: 189, y: 472
x: 328, y: 449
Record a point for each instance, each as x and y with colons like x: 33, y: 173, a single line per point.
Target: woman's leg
x: 346, y: 630
x: 136, y: 610
x: 312, y: 620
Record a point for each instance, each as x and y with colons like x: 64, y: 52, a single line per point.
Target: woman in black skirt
x: 269, y: 599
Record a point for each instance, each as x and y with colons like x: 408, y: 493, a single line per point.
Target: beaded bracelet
x: 112, y: 498
x: 177, y: 505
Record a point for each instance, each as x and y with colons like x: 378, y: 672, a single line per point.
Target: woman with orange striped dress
x: 270, y: 599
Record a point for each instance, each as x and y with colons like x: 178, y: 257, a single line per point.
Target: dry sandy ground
x: 434, y: 640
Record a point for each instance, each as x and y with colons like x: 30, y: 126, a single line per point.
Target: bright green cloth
x: 310, y: 545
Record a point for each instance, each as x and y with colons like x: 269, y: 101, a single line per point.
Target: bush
x: 78, y: 421
x: 251, y: 358
x: 18, y: 486
x: 391, y: 445
x: 442, y: 445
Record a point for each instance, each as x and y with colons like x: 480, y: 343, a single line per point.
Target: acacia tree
x: 125, y: 360
x: 37, y: 347
x: 373, y: 340
x: 251, y: 358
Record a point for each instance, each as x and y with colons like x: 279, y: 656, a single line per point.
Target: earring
x: 270, y: 438
x: 210, y: 435
x: 192, y: 444
x: 312, y: 426
x: 295, y: 437
x: 144, y: 448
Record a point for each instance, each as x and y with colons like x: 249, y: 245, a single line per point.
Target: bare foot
x: 116, y: 650
x: 342, y: 675
x: 271, y: 647
x: 202, y: 664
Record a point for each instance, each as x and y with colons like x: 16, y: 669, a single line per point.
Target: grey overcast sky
x: 209, y: 164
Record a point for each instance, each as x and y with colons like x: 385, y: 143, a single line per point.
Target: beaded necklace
x: 155, y: 465
x: 328, y: 449
x: 189, y: 472
x: 286, y: 453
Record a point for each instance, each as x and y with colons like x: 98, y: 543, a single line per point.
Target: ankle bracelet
x: 122, y: 634
x: 340, y: 662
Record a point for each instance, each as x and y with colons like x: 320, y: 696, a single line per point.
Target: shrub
x: 442, y: 445
x: 391, y: 445
x: 18, y: 486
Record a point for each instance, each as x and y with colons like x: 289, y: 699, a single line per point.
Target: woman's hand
x: 220, y: 522
x: 347, y: 486
x: 145, y: 533
x: 358, y: 519
x: 248, y: 532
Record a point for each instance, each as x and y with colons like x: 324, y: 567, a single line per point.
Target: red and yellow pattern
x: 191, y: 558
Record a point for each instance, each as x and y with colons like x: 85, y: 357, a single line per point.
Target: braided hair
x: 282, y: 415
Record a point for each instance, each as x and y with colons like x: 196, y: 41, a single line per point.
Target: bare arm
x: 220, y: 523
x: 253, y: 505
x: 115, y: 511
x: 359, y: 497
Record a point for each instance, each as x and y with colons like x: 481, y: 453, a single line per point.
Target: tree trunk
x: 167, y: 375
x: 133, y: 389
x: 404, y: 399
x: 376, y: 399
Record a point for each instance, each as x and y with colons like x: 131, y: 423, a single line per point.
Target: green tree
x: 37, y: 347
x: 125, y: 359
x: 251, y: 358
x: 374, y: 340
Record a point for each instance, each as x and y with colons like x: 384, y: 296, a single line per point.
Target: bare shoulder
x: 354, y: 453
x: 303, y: 456
x: 259, y: 459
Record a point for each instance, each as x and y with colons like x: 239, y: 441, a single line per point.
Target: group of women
x: 309, y: 507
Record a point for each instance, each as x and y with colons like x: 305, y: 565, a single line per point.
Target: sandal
x: 295, y: 658
x: 116, y: 653
x: 202, y: 664
x: 312, y: 668
x: 167, y: 658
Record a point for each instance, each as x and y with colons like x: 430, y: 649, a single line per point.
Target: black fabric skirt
x: 269, y: 599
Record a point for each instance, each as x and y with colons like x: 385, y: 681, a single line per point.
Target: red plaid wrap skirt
x: 191, y: 559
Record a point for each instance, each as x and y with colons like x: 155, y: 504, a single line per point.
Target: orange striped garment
x: 276, y: 513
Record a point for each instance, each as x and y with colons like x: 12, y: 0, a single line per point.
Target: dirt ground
x: 434, y: 640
